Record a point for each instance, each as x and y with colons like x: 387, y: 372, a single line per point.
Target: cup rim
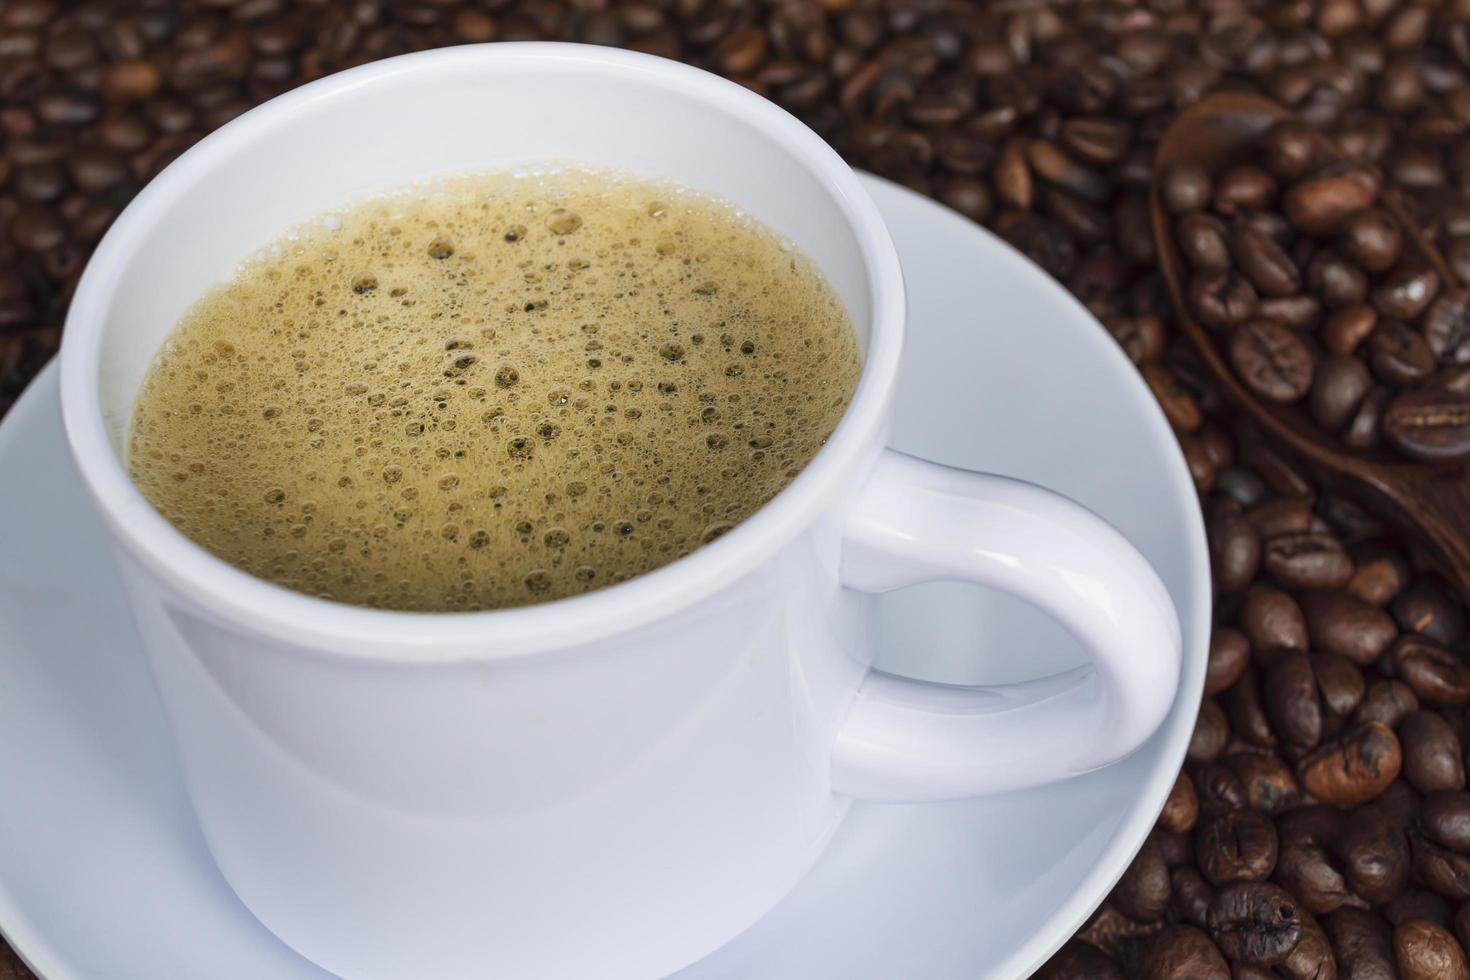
x: 326, y: 627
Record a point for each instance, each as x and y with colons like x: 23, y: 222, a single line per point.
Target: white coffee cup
x: 611, y: 785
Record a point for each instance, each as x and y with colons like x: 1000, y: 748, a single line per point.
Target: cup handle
x: 905, y: 740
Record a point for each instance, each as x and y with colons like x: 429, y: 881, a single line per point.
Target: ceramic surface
x: 102, y: 873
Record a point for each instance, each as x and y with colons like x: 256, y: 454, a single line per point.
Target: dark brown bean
x: 1387, y: 702
x: 1340, y: 685
x: 1428, y: 611
x: 1218, y: 789
x: 1211, y: 733
x: 1244, y: 188
x: 1429, y: 424
x: 1446, y: 326
x: 1290, y: 150
x: 1247, y: 711
x: 1220, y: 300
x: 1142, y: 893
x: 1182, y: 951
x: 1299, y: 311
x: 1335, y: 280
x: 1445, y: 819
x: 1365, y: 429
x: 1204, y: 241
x: 1354, y: 767
x: 1272, y: 360
x: 1406, y: 291
x: 1444, y: 871
x: 1373, y: 239
x: 1347, y: 327
x: 1255, y: 923
x: 130, y: 80
x: 1291, y: 701
x: 1267, y: 781
x: 1374, y: 855
x: 1272, y: 620
x: 1078, y: 960
x: 1229, y: 655
x: 1181, y: 809
x: 1363, y: 943
x: 1312, y: 958
x: 1190, y: 896
x: 1435, y: 674
x: 1307, y: 561
x: 1236, y: 846
x: 1304, y: 865
x: 1432, y: 756
x: 1399, y: 355
x: 1339, y: 387
x: 1320, y: 205
x: 1426, y: 951
x: 1341, y: 624
x: 1235, y: 551
x: 1281, y: 515
x: 1185, y: 187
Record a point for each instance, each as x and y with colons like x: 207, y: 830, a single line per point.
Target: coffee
x: 493, y: 391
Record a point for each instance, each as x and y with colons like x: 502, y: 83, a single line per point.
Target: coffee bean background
x: 1321, y: 825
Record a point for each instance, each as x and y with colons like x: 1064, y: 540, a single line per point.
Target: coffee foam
x: 493, y: 391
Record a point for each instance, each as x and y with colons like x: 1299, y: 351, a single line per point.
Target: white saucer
x: 103, y: 874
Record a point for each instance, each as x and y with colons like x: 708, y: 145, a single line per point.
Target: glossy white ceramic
x: 103, y: 872
x: 423, y: 796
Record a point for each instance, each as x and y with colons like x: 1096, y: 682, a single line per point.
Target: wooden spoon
x: 1429, y: 502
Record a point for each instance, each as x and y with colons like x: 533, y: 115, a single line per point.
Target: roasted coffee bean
x: 1352, y: 768
x: 1363, y: 944
x: 1178, y: 404
x: 1399, y: 354
x: 1247, y: 711
x: 1291, y: 701
x: 1218, y: 789
x: 1378, y: 577
x: 1307, y: 561
x: 1211, y: 733
x: 1446, y: 326
x: 1321, y: 204
x: 1236, y: 846
x: 1299, y: 311
x: 1272, y: 620
x: 1349, y: 627
x: 1220, y: 300
x: 1347, y: 327
x: 1181, y: 809
x: 1078, y: 960
x: 1177, y: 848
x: 1312, y: 958
x: 1244, y: 188
x: 1268, y: 782
x: 1366, y: 428
x: 1406, y: 292
x: 1341, y: 687
x: 1426, y: 951
x: 1432, y: 756
x: 1435, y: 674
x: 1428, y: 611
x: 1305, y: 866
x: 1229, y: 654
x: 1444, y: 871
x: 1142, y: 893
x: 1386, y: 702
x: 1183, y: 951
x: 1374, y: 855
x: 1235, y: 551
x: 1373, y: 239
x: 1336, y: 281
x: 1340, y: 384
x: 1204, y: 241
x: 1265, y: 263
x: 1272, y: 360
x: 1186, y: 187
x: 1445, y: 818
x: 1281, y: 515
x: 1430, y: 425
x: 1191, y: 896
x: 1255, y: 922
x: 1290, y: 150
